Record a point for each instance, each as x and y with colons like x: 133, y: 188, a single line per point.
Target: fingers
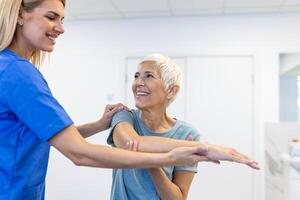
x: 214, y: 161
x: 198, y: 158
x: 132, y: 145
x: 189, y: 138
x: 204, y: 151
x: 253, y: 164
x: 135, y: 146
x: 111, y: 109
x: 241, y: 158
x: 200, y: 150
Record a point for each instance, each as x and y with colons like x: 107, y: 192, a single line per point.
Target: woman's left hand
x: 132, y: 145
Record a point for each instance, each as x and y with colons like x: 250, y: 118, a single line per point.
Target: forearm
x: 162, y: 144
x: 167, y: 189
x: 108, y: 157
x: 89, y: 129
x: 72, y: 145
x: 124, y: 133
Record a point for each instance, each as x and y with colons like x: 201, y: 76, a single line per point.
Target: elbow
x: 77, y: 159
x: 79, y: 155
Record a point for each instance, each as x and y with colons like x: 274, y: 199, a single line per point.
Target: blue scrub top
x: 29, y: 116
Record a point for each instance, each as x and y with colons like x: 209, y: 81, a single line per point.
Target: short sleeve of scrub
x: 26, y: 93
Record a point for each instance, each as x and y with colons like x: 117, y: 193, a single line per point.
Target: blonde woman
x: 31, y: 119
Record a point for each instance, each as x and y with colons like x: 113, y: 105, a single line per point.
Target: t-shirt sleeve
x: 195, y: 137
x: 121, y: 116
x: 26, y: 93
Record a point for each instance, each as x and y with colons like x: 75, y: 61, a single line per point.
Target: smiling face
x: 148, y: 88
x: 41, y: 26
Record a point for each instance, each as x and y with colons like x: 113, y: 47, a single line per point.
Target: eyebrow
x: 56, y: 14
x: 149, y: 72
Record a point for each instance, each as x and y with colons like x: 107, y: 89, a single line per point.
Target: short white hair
x: 169, y: 71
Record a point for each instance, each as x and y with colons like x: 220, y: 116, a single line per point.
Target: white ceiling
x: 103, y: 9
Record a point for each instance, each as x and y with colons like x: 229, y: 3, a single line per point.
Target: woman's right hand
x: 186, y: 156
x: 220, y: 153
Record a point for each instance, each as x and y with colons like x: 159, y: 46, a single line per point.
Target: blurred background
x: 240, y: 60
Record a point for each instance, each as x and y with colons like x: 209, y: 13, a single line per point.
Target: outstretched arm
x: 72, y: 145
x: 124, y: 133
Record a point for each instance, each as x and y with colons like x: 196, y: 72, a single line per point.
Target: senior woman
x: 150, y: 129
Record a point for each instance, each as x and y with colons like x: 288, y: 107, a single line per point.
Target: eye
x: 136, y: 76
x: 51, y: 18
x: 149, y: 76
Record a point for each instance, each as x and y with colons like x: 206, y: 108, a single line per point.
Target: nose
x: 59, y: 28
x: 139, y: 81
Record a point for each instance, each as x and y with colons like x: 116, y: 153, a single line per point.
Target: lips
x: 52, y: 37
x: 141, y: 93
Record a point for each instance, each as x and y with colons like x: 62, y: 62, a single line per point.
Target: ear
x: 172, y: 91
x: 21, y: 17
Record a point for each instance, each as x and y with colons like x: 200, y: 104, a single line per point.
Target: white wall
x: 288, y: 91
x: 88, y: 63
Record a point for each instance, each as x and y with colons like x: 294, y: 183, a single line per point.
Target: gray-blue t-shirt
x: 136, y: 184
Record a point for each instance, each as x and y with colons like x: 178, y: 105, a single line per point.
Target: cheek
x: 133, y: 87
x: 34, y: 29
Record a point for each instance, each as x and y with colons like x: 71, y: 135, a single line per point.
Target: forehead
x: 55, y: 6
x: 150, y: 66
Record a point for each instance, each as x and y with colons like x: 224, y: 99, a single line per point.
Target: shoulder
x: 186, y: 129
x: 21, y: 70
x: 11, y: 63
x: 123, y: 116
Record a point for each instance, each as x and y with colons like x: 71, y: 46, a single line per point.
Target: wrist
x: 99, y: 125
x: 206, y: 146
x: 169, y: 159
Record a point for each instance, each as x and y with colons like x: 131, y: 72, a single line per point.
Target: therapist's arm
x: 80, y: 152
x: 89, y: 129
x: 124, y: 133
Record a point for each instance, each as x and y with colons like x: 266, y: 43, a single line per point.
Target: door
x: 219, y: 104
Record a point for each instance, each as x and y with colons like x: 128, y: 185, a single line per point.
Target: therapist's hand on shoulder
x: 89, y: 129
x: 109, y: 111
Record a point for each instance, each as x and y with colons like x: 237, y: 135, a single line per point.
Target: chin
x: 138, y: 106
x: 48, y: 49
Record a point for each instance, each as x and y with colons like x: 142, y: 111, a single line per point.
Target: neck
x: 19, y: 47
x: 157, y: 120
